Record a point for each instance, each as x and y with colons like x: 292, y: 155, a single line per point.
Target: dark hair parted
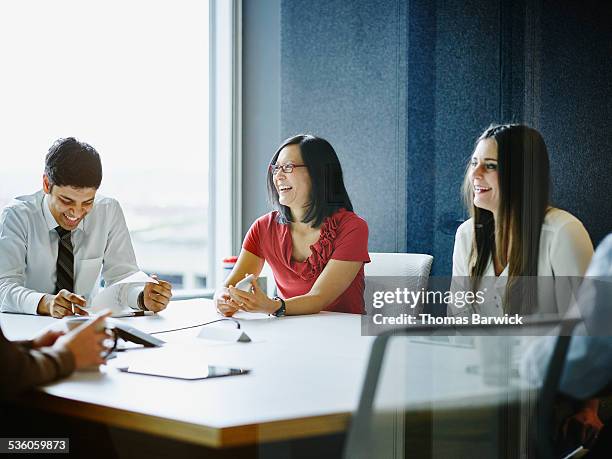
x: 328, y: 193
x: 70, y: 162
x: 524, y: 196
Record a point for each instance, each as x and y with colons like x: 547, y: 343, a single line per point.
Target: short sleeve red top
x: 344, y: 236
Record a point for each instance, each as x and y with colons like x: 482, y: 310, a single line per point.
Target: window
x: 132, y: 79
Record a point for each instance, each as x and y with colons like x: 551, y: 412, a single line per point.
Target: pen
x: 143, y: 313
x: 134, y: 314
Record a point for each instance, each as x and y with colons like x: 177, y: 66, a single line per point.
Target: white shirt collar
x: 501, y: 280
x: 50, y: 219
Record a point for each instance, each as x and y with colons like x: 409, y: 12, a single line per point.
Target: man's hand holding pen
x: 65, y: 303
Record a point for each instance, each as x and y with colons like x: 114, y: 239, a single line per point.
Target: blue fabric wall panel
x: 512, y: 62
x: 260, y: 102
x: 403, y: 88
x: 420, y: 112
x: 343, y: 78
x: 467, y: 99
x: 576, y: 109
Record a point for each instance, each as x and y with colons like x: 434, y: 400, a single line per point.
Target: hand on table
x: 47, y: 338
x: 254, y: 301
x: 157, y: 296
x: 65, y: 303
x: 86, y: 342
x: 224, y: 303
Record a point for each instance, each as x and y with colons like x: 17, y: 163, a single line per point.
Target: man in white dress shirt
x: 55, y: 242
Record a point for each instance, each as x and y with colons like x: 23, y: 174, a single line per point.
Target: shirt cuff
x: 132, y: 295
x: 30, y: 303
x: 141, y: 304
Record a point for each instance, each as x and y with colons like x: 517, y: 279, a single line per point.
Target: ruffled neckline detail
x: 320, y: 251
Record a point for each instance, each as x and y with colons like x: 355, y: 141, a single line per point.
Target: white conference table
x: 306, y: 379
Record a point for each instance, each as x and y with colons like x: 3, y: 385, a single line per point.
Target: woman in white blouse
x: 525, y: 256
x: 514, y: 234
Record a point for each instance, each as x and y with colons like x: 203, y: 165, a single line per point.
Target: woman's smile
x: 293, y: 187
x: 481, y: 189
x: 484, y: 175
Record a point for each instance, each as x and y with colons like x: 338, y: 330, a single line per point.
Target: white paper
x: 136, y: 278
x: 109, y: 297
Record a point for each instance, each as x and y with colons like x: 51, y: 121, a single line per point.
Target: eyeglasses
x: 287, y: 168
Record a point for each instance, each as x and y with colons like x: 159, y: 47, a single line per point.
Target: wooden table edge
x: 224, y: 437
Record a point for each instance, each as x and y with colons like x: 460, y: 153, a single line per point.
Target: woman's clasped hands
x: 230, y: 300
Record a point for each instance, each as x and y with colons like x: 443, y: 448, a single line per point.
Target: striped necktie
x: 65, y: 261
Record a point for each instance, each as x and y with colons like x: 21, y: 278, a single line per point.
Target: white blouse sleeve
x: 461, y: 258
x: 461, y: 250
x: 570, y: 254
x: 571, y: 250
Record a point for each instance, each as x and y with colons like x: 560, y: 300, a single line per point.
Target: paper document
x: 110, y: 298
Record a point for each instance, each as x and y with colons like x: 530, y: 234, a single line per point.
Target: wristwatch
x: 140, y: 301
x: 280, y: 312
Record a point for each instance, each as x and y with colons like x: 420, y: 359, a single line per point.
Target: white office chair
x: 399, y: 265
x: 388, y: 271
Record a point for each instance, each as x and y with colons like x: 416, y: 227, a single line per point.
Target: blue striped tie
x: 65, y: 261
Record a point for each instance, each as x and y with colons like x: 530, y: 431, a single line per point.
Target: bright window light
x: 131, y: 78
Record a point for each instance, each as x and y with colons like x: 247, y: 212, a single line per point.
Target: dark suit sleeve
x: 24, y: 367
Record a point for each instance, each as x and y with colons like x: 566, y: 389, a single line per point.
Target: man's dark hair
x: 73, y: 163
x: 328, y: 193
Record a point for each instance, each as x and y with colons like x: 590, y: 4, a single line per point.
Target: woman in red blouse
x: 314, y: 243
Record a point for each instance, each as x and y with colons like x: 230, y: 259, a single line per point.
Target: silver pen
x: 134, y: 314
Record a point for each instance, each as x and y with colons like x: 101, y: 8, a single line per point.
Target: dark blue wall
x: 343, y: 78
x: 260, y: 102
x: 466, y: 98
x: 403, y: 88
x: 575, y: 113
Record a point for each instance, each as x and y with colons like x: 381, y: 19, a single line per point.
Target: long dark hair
x: 524, y: 197
x: 328, y: 193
